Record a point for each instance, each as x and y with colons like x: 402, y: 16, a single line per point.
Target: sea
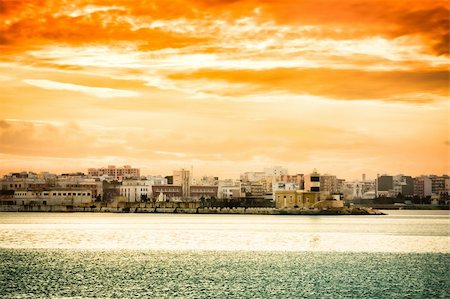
x: 405, y: 254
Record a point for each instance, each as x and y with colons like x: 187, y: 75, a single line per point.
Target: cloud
x: 88, y: 22
x: 100, y: 92
x: 332, y: 83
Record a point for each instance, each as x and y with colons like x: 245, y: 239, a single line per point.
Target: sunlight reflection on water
x: 401, y: 231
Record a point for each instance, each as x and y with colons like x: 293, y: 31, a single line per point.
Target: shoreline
x: 178, y: 210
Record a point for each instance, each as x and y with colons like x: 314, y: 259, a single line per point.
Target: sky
x: 345, y: 87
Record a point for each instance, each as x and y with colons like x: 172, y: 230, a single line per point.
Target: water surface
x: 50, y: 255
x: 400, y: 231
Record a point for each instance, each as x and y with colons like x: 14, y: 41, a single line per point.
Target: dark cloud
x: 334, y: 83
x: 432, y: 23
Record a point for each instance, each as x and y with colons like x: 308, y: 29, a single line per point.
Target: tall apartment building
x: 439, y: 184
x: 331, y: 184
x: 118, y: 173
x: 296, y: 179
x: 312, y: 182
x: 391, y: 186
x: 183, y: 178
x: 422, y: 186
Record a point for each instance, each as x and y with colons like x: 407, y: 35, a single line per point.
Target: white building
x: 136, y: 190
x: 156, y: 179
x: 285, y: 186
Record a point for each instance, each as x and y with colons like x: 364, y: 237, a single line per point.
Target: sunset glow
x: 347, y: 87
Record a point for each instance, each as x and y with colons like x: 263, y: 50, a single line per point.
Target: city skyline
x: 135, y: 172
x: 359, y: 87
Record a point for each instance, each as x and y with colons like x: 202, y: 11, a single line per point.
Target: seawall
x: 177, y: 210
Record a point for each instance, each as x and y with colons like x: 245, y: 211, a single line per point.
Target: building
x: 422, y: 186
x: 296, y: 199
x: 407, y: 185
x: 23, y: 180
x: 296, y: 179
x: 312, y: 182
x: 157, y: 180
x: 54, y: 196
x: 230, y: 189
x: 275, y: 171
x: 169, y: 179
x: 253, y: 176
x: 136, y: 190
x: 285, y: 186
x: 204, y: 191
x: 206, y: 181
x: 118, y: 173
x: 393, y: 186
x: 94, y: 185
x: 183, y: 178
x: 253, y: 189
x: 330, y: 184
x: 230, y: 192
x: 439, y: 184
x: 167, y: 191
x: 385, y: 184
x: 359, y: 189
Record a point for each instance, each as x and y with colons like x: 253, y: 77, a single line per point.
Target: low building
x: 296, y: 199
x: 117, y: 173
x: 168, y: 191
x: 95, y: 185
x: 56, y: 196
x: 203, y: 191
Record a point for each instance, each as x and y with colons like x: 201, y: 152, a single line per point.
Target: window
x: 290, y: 199
x: 64, y: 194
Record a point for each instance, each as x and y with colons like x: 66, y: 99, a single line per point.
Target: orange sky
x: 347, y: 87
